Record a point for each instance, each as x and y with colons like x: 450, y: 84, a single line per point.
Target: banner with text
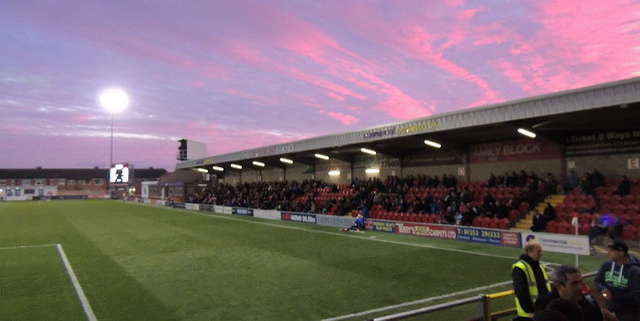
x: 561, y: 243
x: 427, y: 230
x: 242, y: 211
x: 380, y: 226
x: 298, y: 217
x: 488, y: 236
x: 598, y: 143
x: 514, y: 150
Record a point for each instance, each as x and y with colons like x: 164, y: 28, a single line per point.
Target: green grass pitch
x: 139, y: 262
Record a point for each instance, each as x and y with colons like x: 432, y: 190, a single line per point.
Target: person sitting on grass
x: 357, y: 226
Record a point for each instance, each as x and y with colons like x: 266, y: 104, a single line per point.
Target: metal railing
x: 486, y: 301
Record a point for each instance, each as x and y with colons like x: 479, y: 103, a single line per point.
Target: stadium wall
x: 482, y: 172
x: 613, y: 166
x: 272, y: 174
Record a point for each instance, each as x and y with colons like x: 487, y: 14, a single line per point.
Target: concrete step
x: 526, y: 222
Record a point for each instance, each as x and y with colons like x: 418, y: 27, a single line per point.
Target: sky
x: 244, y: 74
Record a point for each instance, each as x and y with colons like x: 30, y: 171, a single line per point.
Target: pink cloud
x: 573, y: 35
x: 336, y: 96
x: 345, y: 119
x: 308, y: 41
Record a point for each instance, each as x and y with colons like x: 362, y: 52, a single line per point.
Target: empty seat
x: 552, y: 226
x: 628, y: 199
x: 504, y: 224
x: 564, y: 228
x: 630, y: 232
x: 632, y: 210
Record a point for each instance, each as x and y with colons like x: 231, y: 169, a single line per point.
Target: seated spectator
x: 593, y: 180
x: 606, y: 224
x: 550, y: 212
x: 539, y: 221
x: 624, y: 187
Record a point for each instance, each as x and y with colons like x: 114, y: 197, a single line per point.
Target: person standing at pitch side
x: 619, y: 282
x: 530, y: 280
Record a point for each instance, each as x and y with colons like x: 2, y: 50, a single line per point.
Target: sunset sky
x: 243, y: 74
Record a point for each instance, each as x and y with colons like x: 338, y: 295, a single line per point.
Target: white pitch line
x: 421, y: 301
x: 25, y: 246
x: 74, y: 280
x: 83, y: 299
x: 343, y: 234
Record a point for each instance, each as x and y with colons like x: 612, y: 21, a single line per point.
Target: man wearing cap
x: 529, y: 280
x: 618, y: 280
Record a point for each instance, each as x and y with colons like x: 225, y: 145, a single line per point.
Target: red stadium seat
x: 584, y: 229
x: 524, y: 207
x: 504, y: 224
x: 585, y: 218
x: 493, y: 223
x: 552, y: 227
x: 630, y: 232
x: 565, y: 228
x: 635, y: 221
x: 514, y: 216
x: 619, y: 210
x: 484, y: 222
x: 632, y: 210
x: 628, y: 200
x: 601, y: 190
x: 568, y: 199
x: 615, y: 200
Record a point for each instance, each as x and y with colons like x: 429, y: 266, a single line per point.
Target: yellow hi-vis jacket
x: 531, y: 280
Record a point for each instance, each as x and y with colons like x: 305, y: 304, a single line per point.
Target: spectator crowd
x: 452, y: 202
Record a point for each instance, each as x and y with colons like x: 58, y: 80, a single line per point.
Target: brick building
x: 25, y: 184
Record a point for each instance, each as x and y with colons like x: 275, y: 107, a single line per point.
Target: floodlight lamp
x: 218, y: 168
x: 203, y: 170
x: 114, y: 100
x: 325, y: 157
x: 257, y: 163
x: 334, y: 173
x: 527, y: 133
x: 432, y: 143
x: 372, y: 170
x: 368, y: 151
x: 286, y: 160
x: 236, y: 166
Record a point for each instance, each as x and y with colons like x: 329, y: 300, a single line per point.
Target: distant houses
x: 27, y: 184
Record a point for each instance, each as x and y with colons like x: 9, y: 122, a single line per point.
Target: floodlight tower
x: 114, y: 100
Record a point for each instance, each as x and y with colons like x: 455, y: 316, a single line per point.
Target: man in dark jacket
x: 529, y: 280
x: 568, y: 284
x: 619, y: 282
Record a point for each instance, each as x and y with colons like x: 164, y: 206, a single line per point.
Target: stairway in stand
x: 524, y: 224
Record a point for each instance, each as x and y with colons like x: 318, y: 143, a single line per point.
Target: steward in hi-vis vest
x: 529, y: 280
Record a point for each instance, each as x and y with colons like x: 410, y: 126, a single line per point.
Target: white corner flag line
x: 83, y: 299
